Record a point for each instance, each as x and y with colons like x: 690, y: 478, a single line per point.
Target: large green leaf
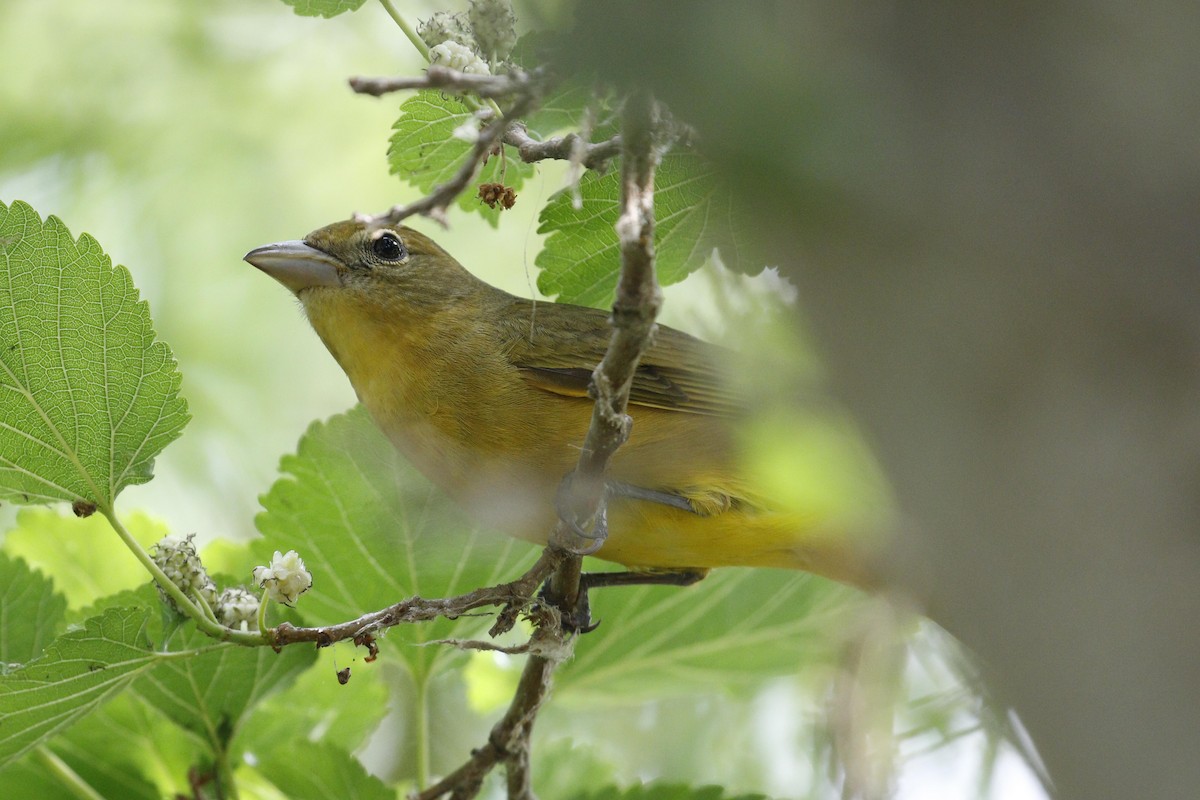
x: 29, y: 610
x: 694, y: 216
x: 78, y: 671
x: 373, y: 532
x: 329, y: 771
x: 735, y: 626
x: 344, y: 714
x: 425, y: 152
x: 88, y: 396
x: 211, y: 694
x: 324, y: 8
x: 114, y: 750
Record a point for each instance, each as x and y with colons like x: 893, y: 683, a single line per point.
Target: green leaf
x: 324, y: 8
x: 425, y: 152
x: 317, y: 771
x: 693, y: 216
x: 735, y: 626
x: 210, y: 694
x: 68, y: 550
x: 88, y: 396
x: 373, y: 532
x: 78, y: 672
x: 344, y: 714
x: 30, y: 610
x: 116, y: 750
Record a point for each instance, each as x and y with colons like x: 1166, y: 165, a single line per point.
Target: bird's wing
x: 556, y: 347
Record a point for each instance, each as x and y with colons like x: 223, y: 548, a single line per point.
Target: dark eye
x: 388, y: 247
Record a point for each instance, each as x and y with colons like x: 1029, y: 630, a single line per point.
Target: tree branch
x: 634, y: 311
x: 635, y: 308
x: 514, y: 596
x: 445, y: 78
x: 572, y: 147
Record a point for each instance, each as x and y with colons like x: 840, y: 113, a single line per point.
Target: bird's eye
x: 388, y: 247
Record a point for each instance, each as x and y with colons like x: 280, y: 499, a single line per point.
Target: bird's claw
x: 577, y: 619
x: 565, y: 506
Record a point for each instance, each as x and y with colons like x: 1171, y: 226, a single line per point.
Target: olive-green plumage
x: 486, y: 393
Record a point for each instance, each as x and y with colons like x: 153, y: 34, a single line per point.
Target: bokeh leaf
x: 425, y: 152
x: 78, y: 671
x: 694, y: 216
x: 328, y: 771
x: 736, y: 626
x: 68, y: 549
x: 324, y: 8
x: 30, y: 610
x: 88, y: 396
x: 373, y: 532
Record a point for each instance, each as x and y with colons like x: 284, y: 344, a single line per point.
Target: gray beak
x: 296, y: 265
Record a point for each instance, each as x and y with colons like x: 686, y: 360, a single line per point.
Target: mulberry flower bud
x: 458, y: 56
x: 177, y: 557
x: 495, y: 27
x: 237, y: 608
x: 285, y: 578
x: 444, y: 27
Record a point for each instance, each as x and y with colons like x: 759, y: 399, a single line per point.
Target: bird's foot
x: 582, y: 537
x: 578, y: 618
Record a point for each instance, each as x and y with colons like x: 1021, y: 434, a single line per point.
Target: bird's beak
x: 296, y: 265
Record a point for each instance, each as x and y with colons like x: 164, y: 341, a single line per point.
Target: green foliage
x: 694, y: 216
x: 324, y: 8
x: 116, y: 750
x: 316, y: 701
x: 425, y: 153
x: 210, y: 694
x: 31, y: 610
x: 78, y: 671
x: 328, y: 771
x: 734, y: 627
x: 374, y: 532
x: 88, y: 396
x: 68, y: 549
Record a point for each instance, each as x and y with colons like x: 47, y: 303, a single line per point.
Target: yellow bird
x: 486, y: 394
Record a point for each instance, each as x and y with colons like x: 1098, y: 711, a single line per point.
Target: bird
x: 486, y: 394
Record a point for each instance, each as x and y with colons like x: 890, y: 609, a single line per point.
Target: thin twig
x: 514, y: 596
x: 434, y: 204
x: 508, y: 742
x: 572, y: 147
x: 438, y: 77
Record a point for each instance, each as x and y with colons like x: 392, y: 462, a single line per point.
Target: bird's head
x: 389, y: 264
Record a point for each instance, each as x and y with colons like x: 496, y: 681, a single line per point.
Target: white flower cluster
x: 237, y: 608
x: 177, y: 557
x: 460, y: 57
x: 285, y: 578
